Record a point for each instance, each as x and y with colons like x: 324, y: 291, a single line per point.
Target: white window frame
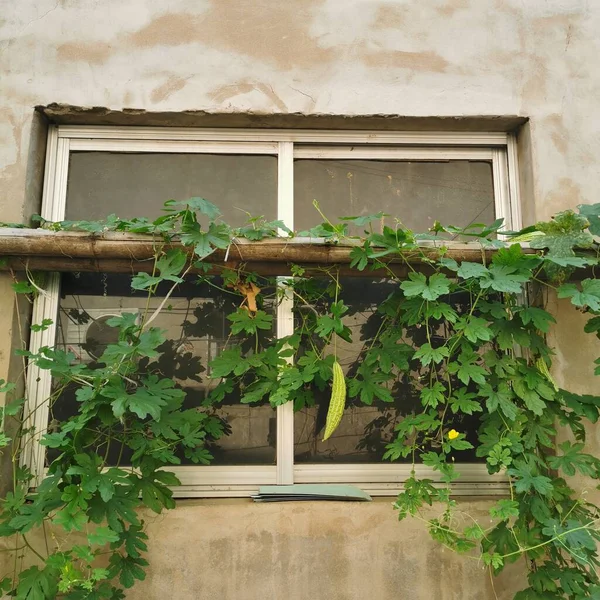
x: 286, y: 144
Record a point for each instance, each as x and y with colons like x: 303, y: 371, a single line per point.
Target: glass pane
x: 417, y: 193
x: 137, y: 185
x: 196, y: 331
x: 364, y: 431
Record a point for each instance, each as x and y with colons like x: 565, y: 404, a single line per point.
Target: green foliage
x: 456, y: 335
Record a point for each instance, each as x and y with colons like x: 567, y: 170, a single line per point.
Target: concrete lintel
x: 64, y: 114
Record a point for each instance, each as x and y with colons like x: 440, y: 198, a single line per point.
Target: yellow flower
x: 453, y: 434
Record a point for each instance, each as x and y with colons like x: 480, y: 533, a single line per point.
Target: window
x: 458, y: 178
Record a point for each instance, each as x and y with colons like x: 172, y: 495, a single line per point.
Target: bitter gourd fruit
x: 337, y: 402
x: 527, y: 237
x: 543, y: 369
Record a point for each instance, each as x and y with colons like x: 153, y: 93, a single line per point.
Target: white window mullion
x: 285, y: 316
x: 513, y: 183
x: 45, y: 306
x: 501, y: 191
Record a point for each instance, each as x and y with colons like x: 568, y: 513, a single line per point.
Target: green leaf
x: 368, y: 387
x: 93, y: 478
x: 510, y: 333
x: 539, y: 509
x: 572, y: 581
x: 205, y: 242
x: 70, y: 521
x: 526, y: 480
x: 426, y: 421
x: 500, y: 398
x: 458, y: 443
x: 416, y: 493
x: 155, y: 494
x: 120, y: 508
x: 128, y: 568
x: 474, y: 532
x: 539, y: 433
x: 36, y: 584
x: 45, y: 324
x: 469, y: 270
x: 437, y: 285
x: 564, y: 232
x: 244, y: 321
x: 441, y: 310
x: 463, y: 402
x: 12, y: 408
x: 494, y: 560
x: 434, y: 395
x: 148, y: 399
x: 363, y: 220
x: 33, y: 515
x: 360, y: 257
x: 259, y: 229
x: 513, y: 256
x: 502, y: 540
x: 144, y: 281
x: 23, y: 287
x: 474, y: 328
x: 133, y: 540
x: 584, y: 405
x: 530, y: 397
x: 503, y: 278
x: 540, y: 318
x: 574, y: 534
x: 467, y: 370
x: 427, y: 354
x: 531, y: 594
x: 228, y: 362
x: 171, y: 265
x: 574, y: 460
x: 499, y: 457
x: 592, y: 213
x: 203, y: 206
x: 256, y: 392
x: 593, y: 326
x: 504, y: 509
x: 496, y: 309
x: 589, y: 295
x: 571, y: 261
x: 102, y: 536
x: 327, y: 325
x: 542, y: 580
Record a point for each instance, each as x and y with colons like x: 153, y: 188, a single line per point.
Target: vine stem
x: 164, y: 301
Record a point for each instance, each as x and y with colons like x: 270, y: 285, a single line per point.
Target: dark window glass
x: 196, y: 330
x: 365, y: 430
x: 456, y: 192
x: 137, y: 185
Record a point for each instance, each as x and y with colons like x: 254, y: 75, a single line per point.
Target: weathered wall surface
x: 300, y: 551
x: 454, y: 58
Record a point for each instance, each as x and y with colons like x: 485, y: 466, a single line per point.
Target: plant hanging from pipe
x: 451, y: 340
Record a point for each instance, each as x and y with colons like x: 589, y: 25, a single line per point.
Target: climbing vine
x: 456, y: 348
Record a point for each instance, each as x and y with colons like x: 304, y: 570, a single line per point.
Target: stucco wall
x: 456, y: 58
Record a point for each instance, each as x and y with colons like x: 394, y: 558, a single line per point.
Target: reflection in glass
x: 196, y: 330
x: 458, y: 192
x: 134, y: 185
x: 365, y: 430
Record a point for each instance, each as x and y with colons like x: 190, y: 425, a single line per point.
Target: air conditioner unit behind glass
x: 87, y: 333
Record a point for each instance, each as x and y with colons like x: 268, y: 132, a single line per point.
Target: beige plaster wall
x: 432, y: 58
